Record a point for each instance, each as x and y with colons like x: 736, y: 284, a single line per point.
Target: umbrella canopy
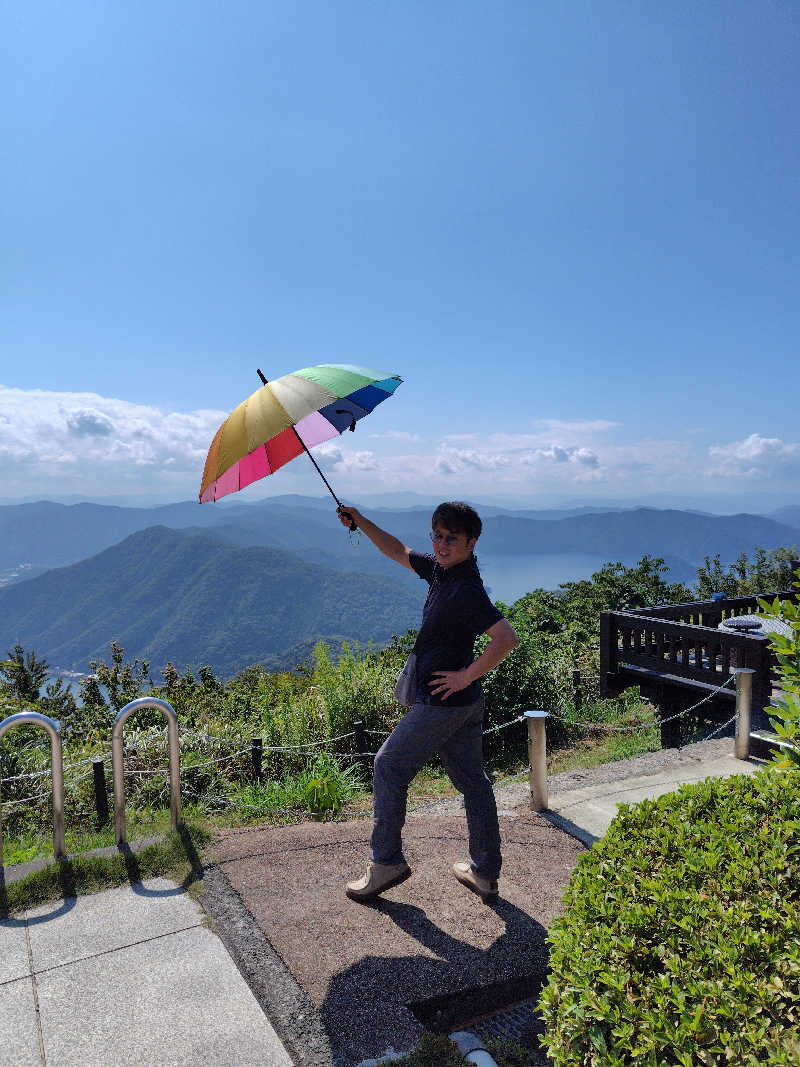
x: 286, y: 417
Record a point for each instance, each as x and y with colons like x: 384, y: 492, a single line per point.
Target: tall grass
x: 305, y: 721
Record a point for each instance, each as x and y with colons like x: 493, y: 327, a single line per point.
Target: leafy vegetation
x: 767, y: 572
x: 786, y: 717
x: 305, y: 719
x: 437, y: 1050
x: 680, y: 940
x: 175, y: 855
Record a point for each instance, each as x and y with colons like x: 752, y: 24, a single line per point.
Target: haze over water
x: 508, y: 578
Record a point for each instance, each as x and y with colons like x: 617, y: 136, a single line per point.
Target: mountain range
x: 46, y: 534
x: 239, y: 584
x: 166, y: 595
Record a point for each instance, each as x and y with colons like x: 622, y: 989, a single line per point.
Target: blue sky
x: 573, y: 229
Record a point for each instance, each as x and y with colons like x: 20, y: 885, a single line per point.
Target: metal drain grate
x: 509, y: 1024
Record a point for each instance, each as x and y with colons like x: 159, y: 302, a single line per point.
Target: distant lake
x: 510, y: 577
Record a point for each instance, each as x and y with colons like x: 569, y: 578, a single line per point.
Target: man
x: 447, y: 714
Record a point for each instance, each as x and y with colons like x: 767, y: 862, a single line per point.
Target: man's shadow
x: 380, y: 1002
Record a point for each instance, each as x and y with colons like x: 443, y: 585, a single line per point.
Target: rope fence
x: 257, y: 749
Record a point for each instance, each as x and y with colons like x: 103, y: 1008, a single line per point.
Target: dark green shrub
x: 680, y: 941
x: 786, y: 706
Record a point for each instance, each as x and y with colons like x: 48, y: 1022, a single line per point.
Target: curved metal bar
x: 118, y: 771
x: 53, y: 728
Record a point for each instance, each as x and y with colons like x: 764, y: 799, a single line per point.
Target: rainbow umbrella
x: 289, y: 416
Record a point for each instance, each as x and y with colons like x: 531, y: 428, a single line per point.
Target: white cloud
x: 84, y: 443
x: 579, y: 427
x: 451, y: 460
x: 333, y: 458
x: 89, y: 424
x: 396, y: 435
x: 754, y: 457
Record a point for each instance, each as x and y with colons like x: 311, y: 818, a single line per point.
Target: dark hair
x: 458, y: 517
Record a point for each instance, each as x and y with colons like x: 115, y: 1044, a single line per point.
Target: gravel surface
x: 373, y: 971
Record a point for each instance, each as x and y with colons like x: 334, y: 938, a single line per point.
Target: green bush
x: 786, y: 717
x: 680, y: 940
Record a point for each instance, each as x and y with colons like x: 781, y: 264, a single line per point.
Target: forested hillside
x: 191, y: 599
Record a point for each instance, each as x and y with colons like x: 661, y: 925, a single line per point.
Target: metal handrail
x: 53, y: 728
x: 118, y: 770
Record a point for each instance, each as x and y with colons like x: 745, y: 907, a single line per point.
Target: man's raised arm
x: 386, y: 542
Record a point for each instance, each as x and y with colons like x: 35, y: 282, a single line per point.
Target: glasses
x: 447, y: 539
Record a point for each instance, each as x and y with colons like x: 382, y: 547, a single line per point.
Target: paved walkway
x: 135, y: 975
x: 585, y: 810
x: 129, y: 976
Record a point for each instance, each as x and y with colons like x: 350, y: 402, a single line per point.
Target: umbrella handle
x: 342, y: 510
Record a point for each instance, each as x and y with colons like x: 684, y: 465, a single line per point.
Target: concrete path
x: 129, y: 976
x: 584, y: 802
x: 587, y: 813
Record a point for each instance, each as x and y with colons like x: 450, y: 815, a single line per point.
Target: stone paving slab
x: 109, y: 920
x: 19, y: 1034
x: 172, y: 1000
x: 130, y: 975
x: 587, y: 813
x: 13, y: 950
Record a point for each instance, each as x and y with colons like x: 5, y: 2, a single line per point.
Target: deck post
x: 744, y: 703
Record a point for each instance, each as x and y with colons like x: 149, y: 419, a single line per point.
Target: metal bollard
x: 744, y: 705
x: 53, y: 728
x: 118, y: 770
x: 537, y: 758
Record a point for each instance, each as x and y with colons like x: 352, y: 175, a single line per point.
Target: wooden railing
x: 681, y: 645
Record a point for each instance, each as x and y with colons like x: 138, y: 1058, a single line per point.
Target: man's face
x: 451, y: 548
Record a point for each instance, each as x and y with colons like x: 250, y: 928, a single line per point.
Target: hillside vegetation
x: 168, y: 596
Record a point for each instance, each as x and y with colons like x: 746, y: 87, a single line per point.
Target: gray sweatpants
x: 456, y: 735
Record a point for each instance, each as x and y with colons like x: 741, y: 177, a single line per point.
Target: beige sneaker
x: 376, y: 878
x: 486, y: 890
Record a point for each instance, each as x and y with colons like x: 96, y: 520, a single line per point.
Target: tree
x: 616, y: 587
x: 769, y: 572
x: 24, y: 674
x: 122, y: 681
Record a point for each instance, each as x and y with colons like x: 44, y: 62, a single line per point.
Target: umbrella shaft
x: 319, y: 472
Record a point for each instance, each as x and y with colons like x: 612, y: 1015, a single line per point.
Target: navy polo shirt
x: 456, y: 611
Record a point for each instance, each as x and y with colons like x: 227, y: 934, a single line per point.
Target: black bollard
x: 360, y: 746
x: 577, y: 692
x: 257, y: 753
x: 100, y: 794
